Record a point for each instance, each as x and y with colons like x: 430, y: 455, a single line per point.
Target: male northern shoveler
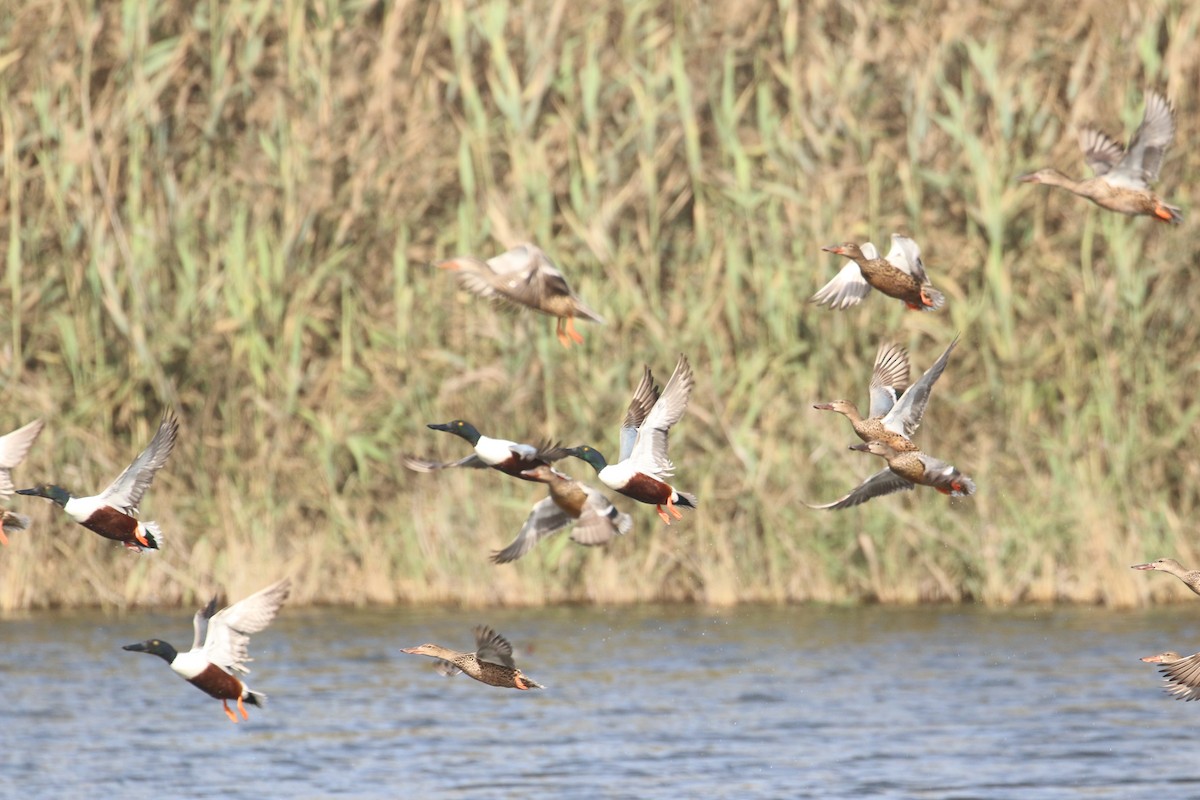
x: 643, y: 466
x: 596, y: 519
x: 891, y: 420
x: 220, y: 647
x: 1190, y: 577
x: 13, y: 448
x: 900, y: 275
x: 113, y: 512
x: 1182, y: 674
x: 1123, y: 177
x: 511, y: 458
x: 525, y: 276
x: 491, y: 663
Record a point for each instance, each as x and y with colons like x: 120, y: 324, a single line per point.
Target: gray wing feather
x: 600, y: 521
x: 13, y: 449
x: 883, y: 482
x: 544, y: 520
x: 1100, y: 151
x: 644, y: 397
x: 889, y: 378
x: 423, y: 465
x: 905, y: 416
x: 226, y: 643
x: 491, y: 646
x: 127, y: 490
x: 200, y: 623
x: 905, y: 255
x: 847, y: 289
x: 649, y: 452
x: 1183, y: 678
x: 1149, y: 145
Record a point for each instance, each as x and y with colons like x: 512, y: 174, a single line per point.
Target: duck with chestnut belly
x: 491, y: 663
x: 900, y: 275
x: 596, y: 519
x: 1123, y: 176
x: 13, y: 448
x: 113, y: 512
x: 511, y: 458
x: 525, y: 276
x: 643, y: 466
x: 220, y: 647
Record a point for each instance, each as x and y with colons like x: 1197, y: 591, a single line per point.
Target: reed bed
x: 231, y: 209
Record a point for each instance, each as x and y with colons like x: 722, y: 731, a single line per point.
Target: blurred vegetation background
x: 230, y: 208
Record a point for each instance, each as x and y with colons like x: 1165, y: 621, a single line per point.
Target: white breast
x: 617, y: 475
x: 190, y: 664
x: 80, y: 508
x: 494, y: 451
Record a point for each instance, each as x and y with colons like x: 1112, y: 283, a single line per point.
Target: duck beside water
x: 114, y: 512
x: 220, y: 647
x: 491, y: 663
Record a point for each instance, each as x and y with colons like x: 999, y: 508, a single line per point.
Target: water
x: 646, y: 702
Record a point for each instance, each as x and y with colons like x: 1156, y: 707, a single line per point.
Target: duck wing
x: 649, y: 453
x: 127, y: 490
x: 200, y: 623
x: 905, y: 416
x: 424, y: 465
x: 889, y: 378
x: 226, y: 643
x: 1100, y: 151
x: 600, y: 521
x: 544, y: 520
x: 13, y: 448
x: 883, y: 482
x: 491, y: 646
x: 1183, y: 677
x: 945, y: 477
x: 1142, y: 161
x: 905, y: 256
x: 644, y: 397
x: 528, y: 276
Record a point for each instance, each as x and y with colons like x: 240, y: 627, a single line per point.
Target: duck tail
x: 936, y: 299
x: 152, y: 533
x: 16, y: 522
x: 1167, y: 213
x: 253, y: 698
x: 583, y: 312
x: 957, y: 484
x: 624, y: 522
x: 685, y: 499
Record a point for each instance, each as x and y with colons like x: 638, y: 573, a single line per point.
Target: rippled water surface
x: 641, y: 702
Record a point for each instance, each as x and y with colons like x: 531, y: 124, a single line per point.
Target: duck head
x: 458, y: 427
x: 847, y: 249
x: 157, y: 647
x: 590, y: 455
x: 48, y: 490
x: 840, y: 406
x: 875, y: 448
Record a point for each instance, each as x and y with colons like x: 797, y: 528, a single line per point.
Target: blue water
x: 646, y: 702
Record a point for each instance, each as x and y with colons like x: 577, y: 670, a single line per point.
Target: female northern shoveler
x: 113, y: 512
x: 491, y: 663
x: 905, y: 469
x: 900, y: 275
x: 891, y: 420
x: 220, y: 647
x: 1123, y: 177
x: 13, y: 448
x: 1182, y: 675
x: 510, y: 458
x: 643, y: 466
x: 525, y: 276
x: 570, y: 501
x: 1190, y: 577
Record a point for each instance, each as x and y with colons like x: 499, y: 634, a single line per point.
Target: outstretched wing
x: 13, y: 448
x: 883, y: 482
x: 226, y: 644
x: 1143, y: 159
x: 424, y: 465
x: 649, y: 453
x: 200, y: 623
x: 905, y: 416
x: 644, y: 397
x: 491, y: 646
x: 1183, y: 677
x: 1100, y: 151
x: 545, y: 519
x: 889, y: 378
x: 127, y: 490
x: 600, y: 521
x: 905, y: 255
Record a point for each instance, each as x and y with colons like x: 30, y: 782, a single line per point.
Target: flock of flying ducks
x: 526, y: 277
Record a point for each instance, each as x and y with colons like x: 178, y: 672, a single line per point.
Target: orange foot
x: 575, y: 335
x: 519, y: 682
x: 141, y: 537
x: 562, y: 336
x: 228, y: 713
x: 242, y: 709
x: 663, y: 514
x: 3, y: 538
x: 925, y: 301
x: 675, y: 512
x: 912, y: 306
x: 946, y: 491
x: 1163, y: 213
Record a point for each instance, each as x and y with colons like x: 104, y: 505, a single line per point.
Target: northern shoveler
x: 511, y: 458
x: 1190, y: 577
x: 491, y: 663
x: 643, y: 466
x: 1123, y: 177
x: 13, y: 448
x: 901, y: 275
x: 905, y: 469
x: 1182, y: 674
x: 221, y: 647
x: 893, y: 420
x: 113, y: 512
x: 596, y: 519
x: 525, y: 276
